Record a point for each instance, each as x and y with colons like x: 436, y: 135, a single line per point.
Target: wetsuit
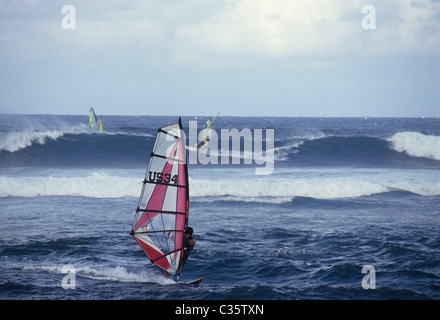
x: 189, y: 245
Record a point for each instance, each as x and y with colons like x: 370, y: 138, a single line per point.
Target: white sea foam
x: 97, y: 272
x: 285, y: 190
x: 233, y: 186
x: 119, y: 274
x: 315, y: 183
x: 94, y: 185
x: 417, y: 144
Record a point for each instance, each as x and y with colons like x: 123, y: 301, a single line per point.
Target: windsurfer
x: 190, y: 242
x: 189, y: 245
x: 202, y: 144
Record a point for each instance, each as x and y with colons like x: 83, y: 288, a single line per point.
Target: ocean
x: 349, y: 210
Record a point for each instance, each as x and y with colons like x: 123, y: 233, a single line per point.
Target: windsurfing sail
x: 204, y: 136
x: 206, y: 132
x: 162, y: 211
x: 95, y: 123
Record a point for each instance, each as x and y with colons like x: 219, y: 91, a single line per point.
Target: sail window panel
x: 147, y: 240
x: 164, y: 234
x: 170, y: 201
x: 162, y: 226
x: 166, y: 147
x: 165, y: 142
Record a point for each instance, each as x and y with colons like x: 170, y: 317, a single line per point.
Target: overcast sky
x: 236, y: 57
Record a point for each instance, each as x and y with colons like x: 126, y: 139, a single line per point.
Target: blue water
x: 344, y: 193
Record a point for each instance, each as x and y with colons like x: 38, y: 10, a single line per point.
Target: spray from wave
x: 109, y: 273
x: 15, y: 141
x: 26, y: 131
x: 417, y: 144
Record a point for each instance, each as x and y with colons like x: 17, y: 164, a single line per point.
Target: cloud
x: 331, y: 28
x: 191, y: 31
x: 410, y: 27
x: 236, y: 54
x: 37, y: 32
x: 267, y: 28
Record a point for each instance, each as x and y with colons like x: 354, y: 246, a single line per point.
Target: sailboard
x: 162, y: 211
x: 193, y: 282
x: 204, y: 136
x: 95, y: 123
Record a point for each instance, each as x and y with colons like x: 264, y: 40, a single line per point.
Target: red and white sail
x: 162, y: 211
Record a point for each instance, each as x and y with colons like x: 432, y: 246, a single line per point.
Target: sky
x: 311, y: 58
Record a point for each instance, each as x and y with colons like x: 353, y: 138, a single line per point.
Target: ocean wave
x: 14, y: 141
x: 276, y: 188
x: 94, y: 185
x: 417, y: 144
x: 293, y: 143
x: 100, y: 272
x: 24, y: 132
x: 285, y: 185
x: 284, y: 190
x: 116, y: 273
x: 27, y: 132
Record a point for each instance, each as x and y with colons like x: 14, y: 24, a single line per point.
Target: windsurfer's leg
x: 183, y: 262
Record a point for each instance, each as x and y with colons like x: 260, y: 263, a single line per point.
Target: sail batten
x: 162, y: 210
x: 163, y: 157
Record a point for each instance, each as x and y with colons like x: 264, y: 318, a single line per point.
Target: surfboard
x: 193, y: 282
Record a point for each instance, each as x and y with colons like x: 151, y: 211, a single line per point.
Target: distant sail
x: 95, y: 124
x: 206, y: 132
x: 204, y: 136
x: 162, y: 212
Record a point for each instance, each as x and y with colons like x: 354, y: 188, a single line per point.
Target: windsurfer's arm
x: 200, y: 145
x: 190, y: 243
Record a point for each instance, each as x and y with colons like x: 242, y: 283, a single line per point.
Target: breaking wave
x: 14, y: 141
x: 93, y: 185
x: 270, y: 189
x: 416, y: 144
